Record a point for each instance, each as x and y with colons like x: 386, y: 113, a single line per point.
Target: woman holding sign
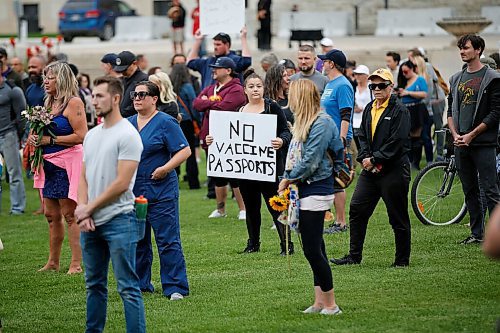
x: 309, y: 165
x: 253, y: 190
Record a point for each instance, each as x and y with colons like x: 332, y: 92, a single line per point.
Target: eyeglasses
x: 48, y: 78
x: 380, y: 86
x: 140, y: 94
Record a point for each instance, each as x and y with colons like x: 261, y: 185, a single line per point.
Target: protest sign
x: 221, y: 16
x: 242, y: 146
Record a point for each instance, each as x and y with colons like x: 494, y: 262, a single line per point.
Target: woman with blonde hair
x: 423, y: 71
x: 309, y: 165
x: 168, y: 99
x: 63, y: 155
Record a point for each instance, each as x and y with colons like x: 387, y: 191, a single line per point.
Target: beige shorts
x: 178, y: 35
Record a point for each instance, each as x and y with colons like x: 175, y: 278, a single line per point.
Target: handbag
x: 342, y: 163
x: 344, y: 175
x: 195, y: 122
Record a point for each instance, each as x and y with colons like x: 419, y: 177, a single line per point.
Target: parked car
x: 91, y: 18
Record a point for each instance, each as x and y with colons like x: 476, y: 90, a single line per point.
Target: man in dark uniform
x: 126, y: 64
x: 384, y: 146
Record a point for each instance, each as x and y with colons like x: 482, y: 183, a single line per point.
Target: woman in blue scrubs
x: 165, y: 148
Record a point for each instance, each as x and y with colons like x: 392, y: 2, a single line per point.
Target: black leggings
x: 252, y: 192
x: 311, y: 229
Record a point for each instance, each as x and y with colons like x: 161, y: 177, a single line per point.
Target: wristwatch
x: 372, y: 160
x: 52, y: 141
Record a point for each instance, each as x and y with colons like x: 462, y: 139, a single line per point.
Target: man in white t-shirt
x: 362, y: 97
x: 105, y: 211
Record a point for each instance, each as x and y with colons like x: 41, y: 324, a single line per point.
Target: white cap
x: 326, y: 42
x: 361, y: 69
x: 422, y: 50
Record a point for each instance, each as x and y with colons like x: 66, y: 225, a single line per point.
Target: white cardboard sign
x: 221, y: 16
x: 242, y: 146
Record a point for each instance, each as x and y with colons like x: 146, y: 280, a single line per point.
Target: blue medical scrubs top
x: 338, y: 94
x: 161, y: 137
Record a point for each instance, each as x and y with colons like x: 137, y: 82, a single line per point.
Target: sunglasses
x: 140, y: 94
x: 380, y: 86
x: 48, y: 78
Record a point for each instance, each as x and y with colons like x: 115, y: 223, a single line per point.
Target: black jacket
x: 391, y: 142
x: 487, y: 107
x: 282, y: 131
x: 127, y: 105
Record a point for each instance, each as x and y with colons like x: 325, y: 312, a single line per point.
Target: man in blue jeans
x: 12, y: 102
x: 105, y: 211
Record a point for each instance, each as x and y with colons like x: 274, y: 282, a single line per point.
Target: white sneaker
x: 1, y: 245
x: 176, y: 297
x: 312, y: 309
x: 216, y: 214
x: 335, y: 311
x: 242, y: 215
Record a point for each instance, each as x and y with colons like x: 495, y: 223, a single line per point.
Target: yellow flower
x: 278, y: 203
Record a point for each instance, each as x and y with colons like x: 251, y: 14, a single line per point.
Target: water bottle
x: 141, y: 207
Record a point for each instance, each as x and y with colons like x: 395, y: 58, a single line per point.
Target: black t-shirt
x: 468, y: 91
x: 180, y: 21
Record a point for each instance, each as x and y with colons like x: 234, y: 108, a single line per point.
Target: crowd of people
x: 145, y: 123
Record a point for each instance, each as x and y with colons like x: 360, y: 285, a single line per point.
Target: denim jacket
x: 315, y: 163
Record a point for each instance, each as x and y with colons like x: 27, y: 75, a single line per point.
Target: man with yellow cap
x: 384, y: 146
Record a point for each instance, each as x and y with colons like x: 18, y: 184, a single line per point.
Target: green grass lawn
x: 447, y: 288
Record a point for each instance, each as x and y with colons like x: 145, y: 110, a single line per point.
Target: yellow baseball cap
x: 382, y: 73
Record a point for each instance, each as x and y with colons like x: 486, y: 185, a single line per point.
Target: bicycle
x: 436, y: 194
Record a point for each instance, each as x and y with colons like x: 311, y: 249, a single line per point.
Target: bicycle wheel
x: 430, y: 203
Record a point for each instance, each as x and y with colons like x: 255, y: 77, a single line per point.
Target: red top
x: 195, y: 15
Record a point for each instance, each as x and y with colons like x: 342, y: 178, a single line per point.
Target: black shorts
x: 221, y: 182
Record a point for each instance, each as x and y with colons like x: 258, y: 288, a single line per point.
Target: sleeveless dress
x: 56, y: 178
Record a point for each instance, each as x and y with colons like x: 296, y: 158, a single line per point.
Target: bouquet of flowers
x: 280, y: 202
x: 39, y: 119
x: 288, y: 204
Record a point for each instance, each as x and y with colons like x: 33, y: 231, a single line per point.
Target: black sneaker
x: 346, y: 260
x: 251, y: 247
x: 471, y: 240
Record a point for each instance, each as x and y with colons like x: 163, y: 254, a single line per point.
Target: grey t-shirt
x: 468, y: 91
x: 11, y: 99
x: 102, y: 149
x: 319, y: 79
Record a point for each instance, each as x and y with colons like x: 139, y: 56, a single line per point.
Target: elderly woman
x: 165, y: 148
x: 62, y: 162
